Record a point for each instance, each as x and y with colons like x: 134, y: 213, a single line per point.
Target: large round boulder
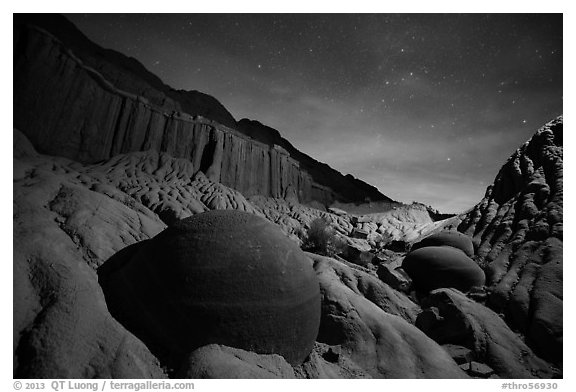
x: 454, y: 239
x: 224, y: 277
x: 436, y: 267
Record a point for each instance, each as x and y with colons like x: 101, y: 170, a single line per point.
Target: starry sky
x: 426, y: 107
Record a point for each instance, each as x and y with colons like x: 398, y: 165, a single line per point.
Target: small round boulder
x: 225, y: 277
x: 454, y: 239
x: 437, y: 267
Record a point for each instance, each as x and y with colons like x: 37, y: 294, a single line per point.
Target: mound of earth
x: 518, y: 232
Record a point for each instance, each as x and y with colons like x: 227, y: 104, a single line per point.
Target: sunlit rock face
x: 224, y: 277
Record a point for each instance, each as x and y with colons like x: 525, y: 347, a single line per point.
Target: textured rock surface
x: 381, y: 343
x: 394, y: 277
x: 447, y: 238
x: 166, y: 185
x: 406, y: 223
x: 477, y: 370
x: 518, y: 231
x: 465, y: 322
x: 103, y: 212
x: 90, y: 104
x: 62, y: 231
x: 225, y: 277
x: 216, y: 361
x: 434, y: 267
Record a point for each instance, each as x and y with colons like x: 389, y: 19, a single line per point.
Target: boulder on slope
x: 454, y: 239
x: 463, y: 321
x: 382, y: 344
x: 224, y: 277
x: 435, y: 267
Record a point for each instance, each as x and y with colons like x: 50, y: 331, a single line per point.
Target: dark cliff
x: 75, y: 99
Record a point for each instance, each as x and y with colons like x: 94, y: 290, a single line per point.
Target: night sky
x: 424, y: 107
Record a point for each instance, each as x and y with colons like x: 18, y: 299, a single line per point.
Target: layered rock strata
x: 91, y: 104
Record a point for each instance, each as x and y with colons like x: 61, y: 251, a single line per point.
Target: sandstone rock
x: 337, y: 211
x: 392, y: 259
x: 448, y: 238
x: 222, y: 362
x: 428, y: 321
x: 442, y: 266
x: 397, y: 246
x: 166, y: 185
x: 476, y: 369
x: 337, y: 365
x: 380, y: 343
x: 370, y: 287
x: 467, y: 323
x: 62, y: 231
x: 360, y: 234
x: 407, y: 223
x: 518, y: 229
x: 358, y: 251
x: 75, y: 99
x: 460, y: 354
x: 296, y: 218
x: 395, y: 278
x: 224, y: 277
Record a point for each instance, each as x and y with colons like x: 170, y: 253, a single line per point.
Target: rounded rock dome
x: 454, y: 239
x: 225, y: 277
x: 435, y: 267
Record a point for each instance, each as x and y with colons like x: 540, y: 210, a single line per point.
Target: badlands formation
x: 155, y: 236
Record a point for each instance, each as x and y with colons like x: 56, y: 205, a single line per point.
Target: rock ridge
x: 91, y: 104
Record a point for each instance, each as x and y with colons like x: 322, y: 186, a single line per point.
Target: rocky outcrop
x: 71, y: 219
x: 77, y: 100
x: 165, y: 185
x: 222, y: 362
x: 62, y: 231
x: 517, y: 229
x: 77, y: 218
x: 406, y: 223
x: 462, y: 321
x: 383, y: 344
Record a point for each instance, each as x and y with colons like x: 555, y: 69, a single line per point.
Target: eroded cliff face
x: 77, y: 100
x: 82, y: 116
x: 518, y: 233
